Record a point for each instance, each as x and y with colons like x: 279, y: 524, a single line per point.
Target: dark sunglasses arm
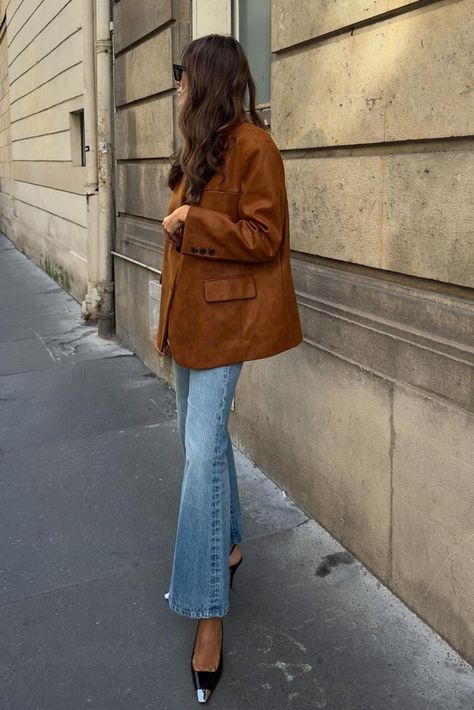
x: 178, y: 70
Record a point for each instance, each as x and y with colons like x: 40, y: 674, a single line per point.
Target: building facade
x: 369, y: 423
x: 56, y: 66
x: 42, y: 195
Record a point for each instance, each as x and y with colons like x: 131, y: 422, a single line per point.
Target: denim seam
x: 216, y: 574
x: 233, y: 530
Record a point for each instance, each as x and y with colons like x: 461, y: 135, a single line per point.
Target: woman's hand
x: 166, y: 350
x: 173, y: 224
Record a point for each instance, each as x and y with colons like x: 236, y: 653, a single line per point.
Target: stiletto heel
x: 233, y: 568
x: 206, y: 681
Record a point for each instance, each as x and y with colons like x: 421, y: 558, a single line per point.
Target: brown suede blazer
x: 228, y: 294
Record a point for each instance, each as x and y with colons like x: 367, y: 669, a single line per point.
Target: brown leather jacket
x: 228, y: 294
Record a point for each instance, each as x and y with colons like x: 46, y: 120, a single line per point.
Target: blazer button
x: 212, y: 252
x: 194, y: 250
x: 202, y: 250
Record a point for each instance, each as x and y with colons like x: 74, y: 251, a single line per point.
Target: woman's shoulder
x: 248, y: 134
x: 256, y: 150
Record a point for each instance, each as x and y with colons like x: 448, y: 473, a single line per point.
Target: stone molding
x: 421, y: 338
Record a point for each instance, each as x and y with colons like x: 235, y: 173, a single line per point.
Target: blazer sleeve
x: 210, y: 234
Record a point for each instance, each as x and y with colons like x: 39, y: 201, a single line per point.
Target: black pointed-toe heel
x: 206, y: 681
x: 233, y: 568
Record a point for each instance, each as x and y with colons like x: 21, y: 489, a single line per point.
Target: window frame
x: 77, y: 136
x: 224, y: 21
x: 263, y: 108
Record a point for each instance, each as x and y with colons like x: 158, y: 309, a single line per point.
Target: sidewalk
x: 90, y: 471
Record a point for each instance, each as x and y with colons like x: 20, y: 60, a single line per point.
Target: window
x: 249, y: 21
x: 251, y: 26
x: 78, y: 141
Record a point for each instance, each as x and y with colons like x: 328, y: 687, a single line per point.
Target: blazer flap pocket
x: 229, y: 288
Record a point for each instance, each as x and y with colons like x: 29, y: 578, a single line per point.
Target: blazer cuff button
x: 212, y: 252
x: 194, y: 250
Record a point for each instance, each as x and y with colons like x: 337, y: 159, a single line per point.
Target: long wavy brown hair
x: 218, y: 76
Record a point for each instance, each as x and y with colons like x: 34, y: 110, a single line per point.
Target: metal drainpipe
x: 92, y: 181
x: 103, y: 45
x: 99, y: 302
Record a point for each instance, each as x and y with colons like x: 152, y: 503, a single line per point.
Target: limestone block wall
x: 369, y: 424
x: 6, y: 202
x: 147, y: 38
x: 406, y: 78
x: 45, y: 85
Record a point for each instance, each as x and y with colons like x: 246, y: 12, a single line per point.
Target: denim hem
x: 204, y: 614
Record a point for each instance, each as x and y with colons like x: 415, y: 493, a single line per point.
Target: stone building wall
x: 146, y: 38
x: 45, y: 86
x: 6, y: 202
x: 369, y: 424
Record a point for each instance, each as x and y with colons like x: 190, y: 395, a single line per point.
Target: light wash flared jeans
x: 209, y: 512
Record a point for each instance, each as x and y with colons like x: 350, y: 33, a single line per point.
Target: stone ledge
x: 423, y: 339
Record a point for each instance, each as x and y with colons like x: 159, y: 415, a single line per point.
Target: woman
x: 227, y: 297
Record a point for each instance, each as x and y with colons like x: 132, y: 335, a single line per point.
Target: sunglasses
x: 178, y: 70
